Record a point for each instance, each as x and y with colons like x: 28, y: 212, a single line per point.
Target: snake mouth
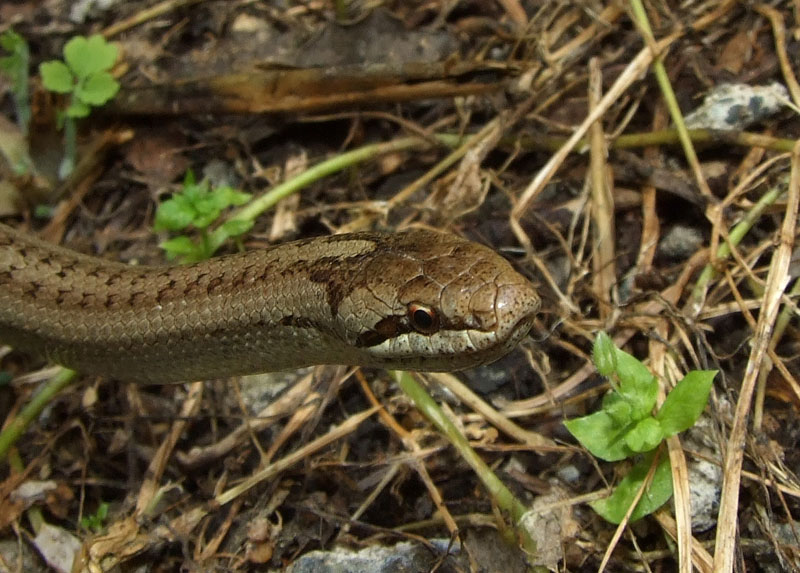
x: 503, y: 343
x: 448, y: 351
x: 520, y: 330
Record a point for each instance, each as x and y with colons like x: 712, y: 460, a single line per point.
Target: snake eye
x: 423, y: 318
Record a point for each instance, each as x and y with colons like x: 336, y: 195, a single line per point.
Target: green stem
x: 15, y: 428
x: 498, y: 491
x: 734, y: 238
x: 670, y: 99
x: 746, y: 139
x: 206, y: 244
x: 70, y: 148
x: 22, y: 99
x: 253, y: 209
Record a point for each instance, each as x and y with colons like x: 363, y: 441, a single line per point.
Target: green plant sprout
x: 84, y: 74
x: 96, y: 521
x: 626, y: 427
x: 198, y: 205
x: 15, y: 66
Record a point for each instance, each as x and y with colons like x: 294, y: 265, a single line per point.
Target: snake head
x: 431, y: 301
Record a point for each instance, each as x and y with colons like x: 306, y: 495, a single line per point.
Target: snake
x: 413, y: 300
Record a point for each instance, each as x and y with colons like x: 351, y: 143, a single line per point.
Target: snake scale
x: 416, y: 300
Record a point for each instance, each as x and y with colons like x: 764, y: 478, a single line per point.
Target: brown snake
x: 417, y: 300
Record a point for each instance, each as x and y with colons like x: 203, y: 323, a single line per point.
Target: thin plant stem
x: 498, y: 491
x: 16, y: 427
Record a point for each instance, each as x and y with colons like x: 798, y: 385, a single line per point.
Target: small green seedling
x: 96, y: 521
x: 15, y: 67
x: 625, y: 427
x: 84, y: 75
x: 198, y: 205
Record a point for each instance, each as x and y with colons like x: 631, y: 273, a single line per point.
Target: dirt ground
x: 546, y: 130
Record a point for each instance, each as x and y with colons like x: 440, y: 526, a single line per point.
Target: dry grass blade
x: 497, y: 419
x: 682, y: 501
x: 413, y: 446
x: 274, y: 468
x: 604, y: 266
x: 701, y: 559
x: 777, y: 279
x: 779, y: 29
x: 632, y: 72
x: 147, y: 493
x: 299, y: 394
x: 668, y: 93
x: 624, y: 523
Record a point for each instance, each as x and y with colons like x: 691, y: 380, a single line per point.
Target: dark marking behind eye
x: 385, y: 329
x: 369, y: 339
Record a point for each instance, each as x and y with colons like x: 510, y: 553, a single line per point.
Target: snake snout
x: 515, y: 306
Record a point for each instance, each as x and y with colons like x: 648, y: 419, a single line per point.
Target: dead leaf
x: 736, y: 52
x: 159, y: 159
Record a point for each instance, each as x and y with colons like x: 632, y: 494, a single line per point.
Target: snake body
x: 417, y: 300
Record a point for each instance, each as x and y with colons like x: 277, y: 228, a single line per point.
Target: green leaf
x: 15, y: 64
x: 77, y: 109
x: 218, y: 199
x: 200, y: 206
x: 686, y: 402
x: 645, y: 435
x: 104, y: 54
x: 44, y: 212
x: 614, y: 507
x: 605, y: 354
x: 237, y: 227
x: 193, y: 193
x: 95, y: 522
x: 11, y: 42
x: 87, y: 56
x: 207, y: 203
x: 56, y: 77
x: 215, y: 240
x: 174, y: 214
x: 636, y: 384
x: 601, y: 435
x: 9, y: 65
x: 618, y: 408
x: 179, y: 247
x: 188, y: 179
x: 77, y: 56
x: 234, y: 197
x: 97, y: 89
x: 206, y: 214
